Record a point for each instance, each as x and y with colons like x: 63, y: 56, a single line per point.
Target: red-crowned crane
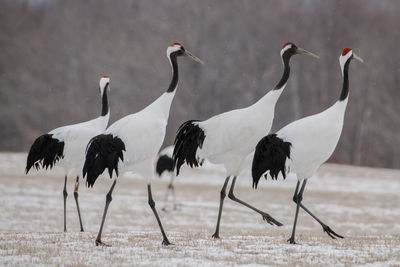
x: 165, y: 165
x: 65, y: 146
x: 132, y: 143
x: 229, y: 137
x: 303, y: 145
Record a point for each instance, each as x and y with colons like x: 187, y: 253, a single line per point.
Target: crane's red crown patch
x: 288, y: 43
x: 345, y: 51
x: 105, y: 77
x: 176, y: 43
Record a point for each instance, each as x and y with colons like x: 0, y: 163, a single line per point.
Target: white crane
x: 165, y: 165
x: 65, y: 146
x: 229, y: 137
x: 303, y: 145
x: 132, y: 143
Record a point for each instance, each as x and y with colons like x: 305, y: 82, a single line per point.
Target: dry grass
x: 360, y: 203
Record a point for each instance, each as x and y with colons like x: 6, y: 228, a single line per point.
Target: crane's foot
x: 291, y: 241
x: 266, y: 217
x: 166, y: 242
x: 330, y: 232
x: 164, y: 209
x: 100, y: 243
x: 215, y: 235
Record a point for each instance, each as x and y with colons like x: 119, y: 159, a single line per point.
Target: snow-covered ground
x: 363, y: 204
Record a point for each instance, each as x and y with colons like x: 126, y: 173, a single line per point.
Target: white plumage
x: 229, y: 137
x: 143, y: 134
x: 65, y: 146
x: 313, y: 139
x: 76, y: 138
x: 303, y: 145
x: 132, y: 143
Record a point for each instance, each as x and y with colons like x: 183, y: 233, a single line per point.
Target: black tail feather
x: 103, y: 152
x: 164, y: 163
x: 44, y: 152
x: 188, y: 139
x: 270, y: 155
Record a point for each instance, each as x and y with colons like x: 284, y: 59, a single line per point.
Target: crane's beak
x: 187, y: 53
x: 305, y: 52
x: 358, y: 58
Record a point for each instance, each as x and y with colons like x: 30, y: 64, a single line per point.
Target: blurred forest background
x: 53, y: 53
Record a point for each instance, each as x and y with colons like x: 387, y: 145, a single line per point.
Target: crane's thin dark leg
x: 297, y: 198
x: 266, y: 216
x: 175, y: 206
x: 165, y: 241
x: 65, y: 194
x: 108, y: 200
x: 77, y: 203
x: 169, y: 188
x: 325, y: 227
x: 221, y: 204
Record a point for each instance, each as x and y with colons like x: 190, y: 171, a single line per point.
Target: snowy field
x: 363, y: 204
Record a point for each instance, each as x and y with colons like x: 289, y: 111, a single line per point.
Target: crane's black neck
x: 345, y: 89
x: 105, y: 108
x: 175, y: 72
x: 286, y: 70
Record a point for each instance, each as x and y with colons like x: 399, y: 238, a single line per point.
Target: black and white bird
x: 303, y: 145
x: 165, y: 167
x: 65, y: 146
x: 132, y: 143
x: 229, y: 137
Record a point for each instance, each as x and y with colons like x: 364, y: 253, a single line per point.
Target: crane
x: 65, y: 146
x: 303, y: 145
x: 132, y: 143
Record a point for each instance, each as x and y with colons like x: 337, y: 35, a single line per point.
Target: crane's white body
x: 143, y: 134
x: 304, y: 145
x: 167, y: 151
x: 232, y: 135
x: 75, y: 138
x: 133, y: 142
x: 313, y: 139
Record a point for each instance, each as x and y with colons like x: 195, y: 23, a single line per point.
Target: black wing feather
x: 103, y: 152
x: 188, y: 139
x: 45, y: 152
x: 270, y: 155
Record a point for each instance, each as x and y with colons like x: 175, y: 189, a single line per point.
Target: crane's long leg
x: 169, y: 188
x: 65, y: 194
x: 108, y: 200
x: 221, y: 204
x: 175, y: 206
x: 266, y: 216
x: 325, y: 227
x: 77, y: 203
x: 297, y: 198
x: 153, y: 208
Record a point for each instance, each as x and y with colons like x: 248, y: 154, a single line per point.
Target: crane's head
x: 104, y: 83
x: 290, y: 49
x: 346, y: 56
x: 176, y: 49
